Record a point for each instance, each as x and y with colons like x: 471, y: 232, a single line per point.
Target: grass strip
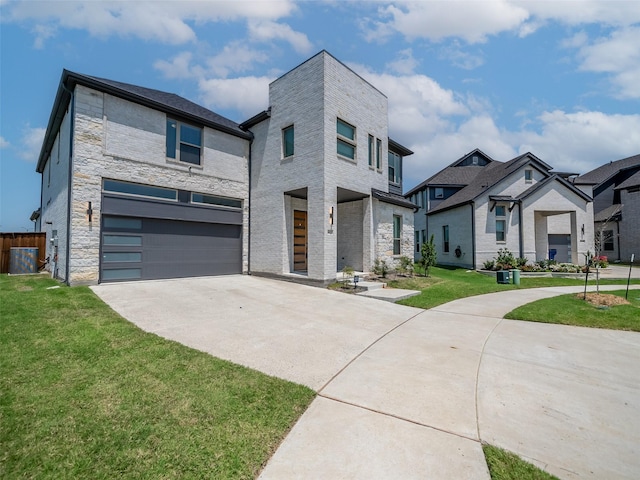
x: 571, y: 309
x: 86, y: 394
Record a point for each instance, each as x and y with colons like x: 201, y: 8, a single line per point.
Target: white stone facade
x: 122, y: 140
x: 311, y: 98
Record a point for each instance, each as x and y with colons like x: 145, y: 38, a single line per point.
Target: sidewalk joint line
x: 367, y: 348
x: 397, y: 417
x: 486, y: 340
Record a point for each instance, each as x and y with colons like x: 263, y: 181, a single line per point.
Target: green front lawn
x: 86, y: 394
x: 447, y: 284
x: 573, y: 310
x: 505, y: 465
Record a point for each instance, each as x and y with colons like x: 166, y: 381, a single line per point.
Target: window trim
x: 501, y: 218
x: 397, y: 167
x: 378, y: 154
x: 177, y: 141
x: 445, y: 239
x: 284, y: 142
x: 344, y: 140
x: 397, y: 235
x: 528, y: 175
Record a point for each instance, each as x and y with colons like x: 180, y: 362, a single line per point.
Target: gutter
x: 250, y: 207
x: 473, y: 234
x: 520, y: 229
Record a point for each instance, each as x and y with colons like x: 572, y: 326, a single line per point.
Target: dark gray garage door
x: 141, y: 248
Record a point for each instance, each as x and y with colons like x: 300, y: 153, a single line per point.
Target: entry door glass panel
x: 299, y: 241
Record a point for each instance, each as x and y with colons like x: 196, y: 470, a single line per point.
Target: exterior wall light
x: 89, y: 212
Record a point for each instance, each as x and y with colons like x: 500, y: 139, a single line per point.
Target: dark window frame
x: 288, y: 146
x: 177, y: 147
x: 445, y: 238
x: 397, y: 234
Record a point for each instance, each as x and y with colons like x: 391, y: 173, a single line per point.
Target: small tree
x: 405, y: 265
x: 429, y: 255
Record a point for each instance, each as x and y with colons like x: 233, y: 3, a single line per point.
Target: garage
x: 147, y: 239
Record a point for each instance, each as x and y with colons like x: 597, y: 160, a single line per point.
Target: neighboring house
x: 615, y: 188
x: 478, y: 205
x: 143, y: 184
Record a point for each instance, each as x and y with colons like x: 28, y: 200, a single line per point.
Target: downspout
x: 69, y: 183
x: 473, y: 234
x: 618, y: 238
x: 520, y: 229
x: 249, y: 210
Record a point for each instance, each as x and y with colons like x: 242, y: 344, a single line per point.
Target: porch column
x: 542, y: 236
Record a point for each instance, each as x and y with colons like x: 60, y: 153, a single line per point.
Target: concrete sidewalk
x: 408, y: 393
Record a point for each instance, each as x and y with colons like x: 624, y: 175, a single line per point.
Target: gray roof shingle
x: 605, y: 172
x: 632, y: 181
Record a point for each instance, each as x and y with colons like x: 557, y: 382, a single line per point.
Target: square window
x: 439, y: 192
x: 183, y: 142
x: 500, y: 210
x: 287, y: 141
x: 345, y: 130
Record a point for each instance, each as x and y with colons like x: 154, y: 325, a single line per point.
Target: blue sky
x: 560, y: 79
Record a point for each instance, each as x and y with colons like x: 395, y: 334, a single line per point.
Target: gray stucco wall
x: 630, y: 226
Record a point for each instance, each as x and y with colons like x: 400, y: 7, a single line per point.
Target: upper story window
x: 528, y: 176
x: 379, y: 154
x: 371, y: 150
x: 127, y: 188
x: 184, y: 142
x: 287, y: 141
x: 395, y: 168
x: 439, y: 193
x: 346, y: 139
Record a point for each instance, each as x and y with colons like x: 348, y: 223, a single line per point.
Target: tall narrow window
x: 371, y: 150
x: 184, y: 142
x: 445, y: 238
x: 397, y: 233
x: 607, y: 240
x: 501, y: 224
x: 395, y: 168
x: 417, y: 240
x: 379, y: 154
x: 346, y: 143
x: 287, y: 141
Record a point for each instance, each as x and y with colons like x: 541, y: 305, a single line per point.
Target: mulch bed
x: 603, y: 299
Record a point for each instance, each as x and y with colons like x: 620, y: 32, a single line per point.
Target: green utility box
x: 515, y: 277
x: 502, y: 276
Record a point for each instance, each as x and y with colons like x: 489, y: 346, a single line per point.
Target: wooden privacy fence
x: 22, y: 239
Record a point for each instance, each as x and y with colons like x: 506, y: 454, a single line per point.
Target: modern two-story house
x: 143, y: 184
x: 615, y: 187
x: 478, y: 205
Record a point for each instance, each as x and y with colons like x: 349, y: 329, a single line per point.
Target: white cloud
x: 4, y: 143
x: 405, y: 64
x: 475, y: 21
x: 617, y: 54
x: 167, y: 22
x: 31, y: 143
x: 460, y: 58
x: 247, y: 95
x: 470, y: 20
x: 234, y: 58
x: 265, y: 30
x: 179, y: 67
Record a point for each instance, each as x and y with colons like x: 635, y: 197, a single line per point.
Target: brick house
x: 143, y: 184
x: 477, y: 205
x: 615, y: 187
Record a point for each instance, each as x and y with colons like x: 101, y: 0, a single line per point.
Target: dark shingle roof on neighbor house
x: 605, y: 172
x: 169, y: 103
x: 495, y: 172
x: 632, y: 181
x: 392, y: 198
x: 609, y: 213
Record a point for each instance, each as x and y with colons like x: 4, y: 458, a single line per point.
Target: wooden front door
x: 299, y: 241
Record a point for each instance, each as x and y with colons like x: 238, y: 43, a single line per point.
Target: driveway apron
x: 408, y: 393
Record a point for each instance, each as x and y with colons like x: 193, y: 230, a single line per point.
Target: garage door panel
x: 170, y: 249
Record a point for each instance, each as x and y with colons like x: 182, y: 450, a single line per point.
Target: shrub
x: 521, y: 262
x: 505, y: 259
x: 347, y: 275
x: 380, y: 267
x: 429, y: 255
x: 488, y: 265
x: 405, y: 265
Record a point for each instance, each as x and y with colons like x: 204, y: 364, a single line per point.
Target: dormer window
x: 528, y: 176
x: 474, y: 160
x: 439, y: 192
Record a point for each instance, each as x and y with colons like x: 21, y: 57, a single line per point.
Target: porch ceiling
x: 345, y: 195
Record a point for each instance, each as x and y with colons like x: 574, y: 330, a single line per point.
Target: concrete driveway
x: 408, y: 393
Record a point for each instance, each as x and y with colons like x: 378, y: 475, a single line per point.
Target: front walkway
x: 408, y: 393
